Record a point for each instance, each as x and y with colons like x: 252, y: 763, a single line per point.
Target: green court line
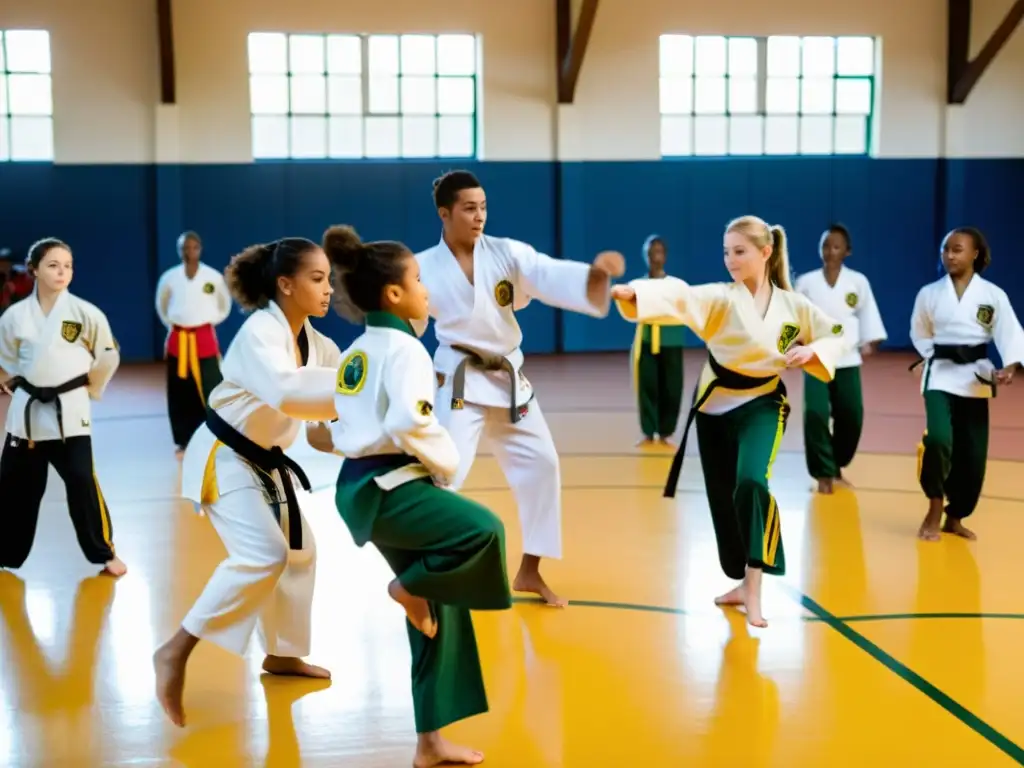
x: 957, y: 710
x: 916, y: 616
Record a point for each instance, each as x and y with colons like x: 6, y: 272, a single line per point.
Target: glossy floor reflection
x: 880, y: 650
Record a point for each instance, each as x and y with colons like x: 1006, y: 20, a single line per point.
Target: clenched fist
x: 612, y: 263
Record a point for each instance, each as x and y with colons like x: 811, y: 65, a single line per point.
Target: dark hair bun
x: 343, y: 247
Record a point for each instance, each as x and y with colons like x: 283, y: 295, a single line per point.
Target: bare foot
x: 170, y: 683
x: 417, y: 610
x: 955, y: 527
x: 292, y: 667
x: 115, y: 567
x: 735, y: 596
x: 843, y: 481
x: 535, y: 584
x: 825, y: 485
x: 753, y: 605
x: 929, y: 530
x: 433, y: 750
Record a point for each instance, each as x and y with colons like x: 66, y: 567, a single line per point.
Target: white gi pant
x: 262, y: 584
x: 526, y: 453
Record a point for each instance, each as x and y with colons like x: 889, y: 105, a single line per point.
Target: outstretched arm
x: 569, y: 285
x: 671, y: 301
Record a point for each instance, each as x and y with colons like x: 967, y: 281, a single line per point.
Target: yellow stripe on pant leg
x: 773, y: 532
x: 779, y: 432
x: 105, y: 526
x: 920, y: 456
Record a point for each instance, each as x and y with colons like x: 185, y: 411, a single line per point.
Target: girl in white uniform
x: 278, y: 372
x: 754, y: 328
x: 57, y: 352
x: 954, y: 320
x: 446, y: 551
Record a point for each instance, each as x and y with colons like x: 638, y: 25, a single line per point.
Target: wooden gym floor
x: 881, y: 650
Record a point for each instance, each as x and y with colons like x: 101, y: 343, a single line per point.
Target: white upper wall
x: 106, y: 73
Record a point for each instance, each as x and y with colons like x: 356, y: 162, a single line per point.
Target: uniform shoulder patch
x: 423, y: 408
x: 837, y: 329
x: 986, y: 314
x: 851, y: 299
x: 352, y: 373
x: 70, y: 331
x: 504, y: 293
x: 788, y: 335
x: 208, y: 288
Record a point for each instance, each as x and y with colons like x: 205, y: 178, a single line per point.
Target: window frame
x: 762, y: 78
x: 7, y: 116
x: 365, y: 77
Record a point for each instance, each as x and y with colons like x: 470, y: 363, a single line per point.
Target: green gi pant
x: 737, y: 450
x: 659, y: 389
x: 186, y: 406
x: 451, y: 551
x: 829, y: 451
x: 954, y: 450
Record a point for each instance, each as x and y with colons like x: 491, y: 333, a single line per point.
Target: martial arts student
x: 476, y: 284
x: 657, y: 355
x: 754, y: 328
x: 846, y: 295
x: 953, y: 322
x: 58, y: 352
x: 278, y: 372
x: 192, y: 299
x: 446, y: 551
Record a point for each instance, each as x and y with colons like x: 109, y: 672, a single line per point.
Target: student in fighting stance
x: 845, y: 295
x: 57, y: 352
x: 953, y: 322
x: 754, y: 328
x: 446, y: 551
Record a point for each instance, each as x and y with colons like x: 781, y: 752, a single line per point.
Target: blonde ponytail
x: 778, y: 262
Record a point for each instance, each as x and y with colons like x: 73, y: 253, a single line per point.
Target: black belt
x: 725, y: 378
x: 486, y: 363
x: 359, y: 467
x: 266, y: 460
x: 46, y: 395
x: 960, y: 354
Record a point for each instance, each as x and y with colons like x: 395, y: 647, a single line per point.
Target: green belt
x: 486, y: 363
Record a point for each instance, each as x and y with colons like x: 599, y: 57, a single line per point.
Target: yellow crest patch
x: 352, y: 374
x: 837, y: 330
x: 70, y: 331
x: 986, y: 314
x: 424, y: 408
x: 504, y: 293
x: 788, y: 336
x: 851, y: 300
x: 208, y: 288
x: 458, y: 404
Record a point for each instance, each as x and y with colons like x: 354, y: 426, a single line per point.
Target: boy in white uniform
x: 476, y: 284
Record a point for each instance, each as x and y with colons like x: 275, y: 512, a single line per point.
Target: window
x: 766, y: 96
x: 357, y: 96
x: 26, y: 97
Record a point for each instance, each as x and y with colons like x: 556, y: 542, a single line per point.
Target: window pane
x: 816, y: 96
x: 418, y: 57
x: 419, y: 136
x: 309, y: 94
x: 743, y: 94
x: 746, y: 135
x: 819, y: 56
x: 676, y: 95
x: 31, y: 138
x: 456, y: 54
x: 344, y: 55
x: 781, y: 135
x: 676, y: 55
x: 29, y: 95
x: 306, y: 54
x: 3, y: 67
x: 782, y: 95
x: 345, y: 95
x: 816, y: 135
x: 28, y: 50
x: 456, y: 95
x: 851, y: 135
x: 345, y: 136
x: 710, y: 55
x: 268, y: 53
x: 676, y: 136
x: 709, y: 95
x: 383, y: 55
x: 455, y: 137
x: 4, y: 138
x: 853, y: 96
x: 384, y: 95
x: 419, y: 95
x: 742, y: 56
x: 783, y: 56
x: 382, y: 137
x: 309, y: 137
x: 268, y: 94
x: 269, y: 137
x: 856, y: 56
x: 3, y: 91
x: 710, y: 135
